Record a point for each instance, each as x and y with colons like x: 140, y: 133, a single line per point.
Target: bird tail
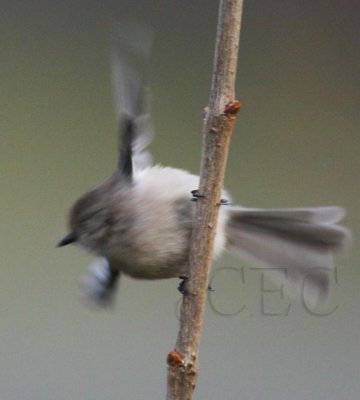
x: 298, y: 244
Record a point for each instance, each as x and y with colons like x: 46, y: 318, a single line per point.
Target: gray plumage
x: 139, y: 220
x: 299, y: 244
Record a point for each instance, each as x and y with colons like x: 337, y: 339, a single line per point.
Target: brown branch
x: 217, y: 131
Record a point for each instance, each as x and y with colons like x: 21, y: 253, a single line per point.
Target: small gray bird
x: 139, y: 220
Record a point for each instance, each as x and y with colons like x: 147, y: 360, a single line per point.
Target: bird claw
x: 224, y: 202
x: 184, y: 290
x: 196, y: 195
x: 182, y: 285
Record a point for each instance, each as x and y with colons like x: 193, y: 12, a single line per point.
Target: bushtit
x: 139, y: 220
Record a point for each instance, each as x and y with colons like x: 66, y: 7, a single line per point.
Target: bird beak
x: 68, y: 239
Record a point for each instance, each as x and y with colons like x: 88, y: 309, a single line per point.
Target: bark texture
x: 217, y: 130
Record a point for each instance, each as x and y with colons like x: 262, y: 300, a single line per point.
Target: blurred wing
x: 131, y: 48
x: 98, y: 286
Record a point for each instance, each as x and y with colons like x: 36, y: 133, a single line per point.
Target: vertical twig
x: 217, y: 131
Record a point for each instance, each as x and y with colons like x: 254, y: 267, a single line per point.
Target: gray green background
x: 296, y: 144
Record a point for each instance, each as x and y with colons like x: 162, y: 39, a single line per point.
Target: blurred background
x: 296, y: 144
